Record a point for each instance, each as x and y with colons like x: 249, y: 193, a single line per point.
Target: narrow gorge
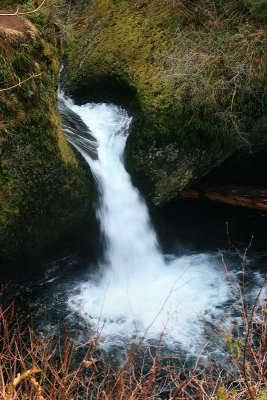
x: 133, y: 199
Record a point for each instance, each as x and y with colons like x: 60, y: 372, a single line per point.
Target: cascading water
x: 138, y: 291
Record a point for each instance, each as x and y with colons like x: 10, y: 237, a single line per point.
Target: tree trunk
x: 244, y: 196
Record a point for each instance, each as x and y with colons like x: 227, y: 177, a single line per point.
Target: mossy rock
x: 193, y: 75
x: 262, y: 395
x: 44, y: 186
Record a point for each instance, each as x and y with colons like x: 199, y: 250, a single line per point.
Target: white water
x: 138, y: 292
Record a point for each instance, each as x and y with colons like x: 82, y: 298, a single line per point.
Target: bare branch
x: 32, y: 76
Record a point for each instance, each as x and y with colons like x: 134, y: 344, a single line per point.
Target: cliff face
x: 44, y: 187
x: 192, y: 73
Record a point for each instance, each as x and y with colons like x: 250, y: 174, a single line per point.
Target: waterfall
x: 138, y: 291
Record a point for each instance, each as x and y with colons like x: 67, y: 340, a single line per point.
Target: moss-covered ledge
x: 197, y: 73
x: 44, y: 186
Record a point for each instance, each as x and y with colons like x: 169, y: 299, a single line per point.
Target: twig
x: 33, y: 76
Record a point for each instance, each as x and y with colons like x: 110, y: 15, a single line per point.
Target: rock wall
x: 44, y: 186
x: 196, y: 79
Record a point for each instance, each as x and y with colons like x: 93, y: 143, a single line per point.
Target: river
x: 142, y: 285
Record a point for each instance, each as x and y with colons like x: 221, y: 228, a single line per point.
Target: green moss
x: 197, y: 73
x: 262, y: 395
x: 257, y: 8
x: 44, y: 187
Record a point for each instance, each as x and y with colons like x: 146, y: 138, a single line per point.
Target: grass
x: 36, y: 367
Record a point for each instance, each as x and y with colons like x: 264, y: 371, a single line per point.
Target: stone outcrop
x: 192, y: 74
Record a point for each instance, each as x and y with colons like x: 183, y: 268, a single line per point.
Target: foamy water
x: 137, y: 292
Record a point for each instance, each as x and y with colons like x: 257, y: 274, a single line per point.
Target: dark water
x: 202, y: 225
x: 40, y: 287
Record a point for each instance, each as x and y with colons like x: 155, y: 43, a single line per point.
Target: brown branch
x: 69, y: 8
x: 33, y: 76
x: 11, y: 14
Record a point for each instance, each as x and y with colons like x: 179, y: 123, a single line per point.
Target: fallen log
x: 244, y: 196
